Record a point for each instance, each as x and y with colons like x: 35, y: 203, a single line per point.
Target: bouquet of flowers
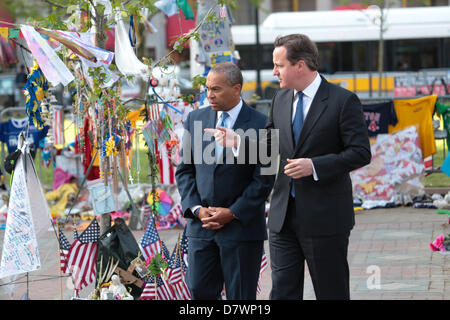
x: 441, y: 243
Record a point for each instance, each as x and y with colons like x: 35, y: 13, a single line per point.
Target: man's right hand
x: 206, y: 213
x: 225, y: 137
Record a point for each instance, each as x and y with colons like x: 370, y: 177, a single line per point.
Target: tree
x: 379, y: 19
x: 85, y: 15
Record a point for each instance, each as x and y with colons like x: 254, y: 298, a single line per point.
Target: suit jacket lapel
x: 240, y: 123
x: 209, y: 122
x: 242, y: 118
x: 286, y: 117
x: 318, y: 106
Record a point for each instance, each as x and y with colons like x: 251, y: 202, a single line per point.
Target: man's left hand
x: 220, y: 218
x: 298, y: 168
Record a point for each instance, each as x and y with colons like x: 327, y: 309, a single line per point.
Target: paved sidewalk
x: 394, y: 244
x: 389, y: 259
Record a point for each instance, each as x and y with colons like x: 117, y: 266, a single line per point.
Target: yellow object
x: 368, y: 187
x: 111, y: 147
x: 61, y: 196
x: 158, y: 196
x: 418, y: 112
x: 4, y: 32
x: 134, y: 116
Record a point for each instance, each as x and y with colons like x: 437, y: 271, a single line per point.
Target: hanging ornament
x: 223, y: 11
x: 36, y: 92
x: 154, y: 82
x: 110, y: 146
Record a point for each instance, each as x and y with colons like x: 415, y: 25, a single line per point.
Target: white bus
x: 415, y: 39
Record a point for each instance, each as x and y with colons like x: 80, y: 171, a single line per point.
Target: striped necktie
x: 222, y: 123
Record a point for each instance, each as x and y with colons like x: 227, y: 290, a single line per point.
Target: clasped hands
x: 215, y: 218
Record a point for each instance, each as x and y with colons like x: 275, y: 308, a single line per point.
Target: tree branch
x: 95, y: 9
x: 190, y: 33
x: 55, y: 4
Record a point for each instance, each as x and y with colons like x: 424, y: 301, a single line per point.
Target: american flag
x: 177, y: 214
x: 151, y: 244
x: 64, y: 246
x: 82, y: 256
x: 176, y: 276
x: 184, y: 251
x: 261, y: 270
x: 166, y: 168
x: 153, y: 112
x: 161, y: 292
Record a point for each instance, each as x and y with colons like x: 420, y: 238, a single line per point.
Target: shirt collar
x: 311, y: 90
x: 233, y: 113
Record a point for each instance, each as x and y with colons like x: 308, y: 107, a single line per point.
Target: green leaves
x: 157, y: 265
x: 198, y: 81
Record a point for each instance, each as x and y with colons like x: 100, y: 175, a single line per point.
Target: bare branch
x: 55, y: 4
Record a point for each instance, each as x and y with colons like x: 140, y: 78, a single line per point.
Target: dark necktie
x: 297, y: 127
x: 298, y: 119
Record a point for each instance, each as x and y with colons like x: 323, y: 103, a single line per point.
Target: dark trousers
x: 233, y: 263
x: 326, y: 257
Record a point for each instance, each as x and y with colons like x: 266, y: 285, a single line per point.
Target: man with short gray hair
x: 223, y: 201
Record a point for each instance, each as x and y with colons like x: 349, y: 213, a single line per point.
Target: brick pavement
x: 389, y: 245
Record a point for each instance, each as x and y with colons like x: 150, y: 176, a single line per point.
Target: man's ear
x: 301, y: 65
x: 238, y: 88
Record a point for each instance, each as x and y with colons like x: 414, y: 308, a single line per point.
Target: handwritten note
x: 20, y: 252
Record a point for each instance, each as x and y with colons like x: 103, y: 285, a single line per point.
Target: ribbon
x: 163, y: 101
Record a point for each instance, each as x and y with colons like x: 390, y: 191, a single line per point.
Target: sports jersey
x: 10, y: 130
x: 418, y: 112
x: 444, y: 111
x: 379, y: 116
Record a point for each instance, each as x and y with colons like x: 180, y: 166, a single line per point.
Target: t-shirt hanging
x: 379, y: 116
x: 418, y: 112
x: 10, y: 130
x: 444, y: 111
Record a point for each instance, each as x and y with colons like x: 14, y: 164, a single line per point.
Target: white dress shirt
x: 229, y: 123
x: 233, y: 115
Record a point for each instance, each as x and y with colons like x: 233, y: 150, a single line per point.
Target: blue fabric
x: 222, y: 123
x: 445, y: 167
x: 297, y: 126
x: 9, y: 133
x: 298, y: 120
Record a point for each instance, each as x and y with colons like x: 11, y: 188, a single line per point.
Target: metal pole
x: 258, y: 55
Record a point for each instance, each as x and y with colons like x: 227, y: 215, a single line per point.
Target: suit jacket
x: 334, y: 135
x: 239, y: 187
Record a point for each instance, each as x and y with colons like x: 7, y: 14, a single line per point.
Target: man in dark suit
x: 323, y: 137
x: 224, y: 200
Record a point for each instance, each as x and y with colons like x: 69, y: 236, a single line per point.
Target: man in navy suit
x: 223, y: 199
x: 323, y: 136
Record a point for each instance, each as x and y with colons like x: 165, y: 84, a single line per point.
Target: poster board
x: 28, y: 218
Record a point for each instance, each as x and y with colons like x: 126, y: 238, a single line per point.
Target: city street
x: 389, y: 257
